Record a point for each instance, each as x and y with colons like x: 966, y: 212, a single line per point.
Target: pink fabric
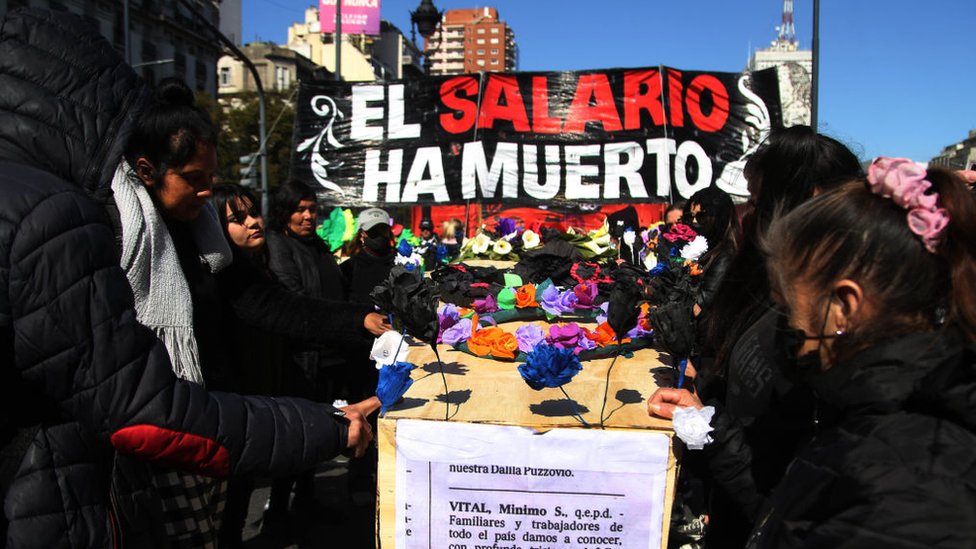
x: 903, y: 181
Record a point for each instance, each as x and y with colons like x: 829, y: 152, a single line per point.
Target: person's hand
x: 376, y: 324
x: 663, y: 402
x: 366, y: 407
x: 360, y: 435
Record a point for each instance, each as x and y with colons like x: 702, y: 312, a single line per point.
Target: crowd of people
x: 164, y: 347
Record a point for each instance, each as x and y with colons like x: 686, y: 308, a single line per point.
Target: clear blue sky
x: 897, y: 77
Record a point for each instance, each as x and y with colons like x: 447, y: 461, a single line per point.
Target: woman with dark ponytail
x: 187, y: 287
x: 876, y: 282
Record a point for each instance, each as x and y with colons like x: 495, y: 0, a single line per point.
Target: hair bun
x: 173, y: 92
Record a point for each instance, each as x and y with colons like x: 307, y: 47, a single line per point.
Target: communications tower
x: 787, y: 32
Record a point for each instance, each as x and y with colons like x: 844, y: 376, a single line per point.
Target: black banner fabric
x: 559, y: 138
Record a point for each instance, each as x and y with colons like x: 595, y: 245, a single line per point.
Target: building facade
x: 389, y: 56
x: 795, y: 69
x: 959, y: 156
x: 472, y: 40
x: 164, y: 39
x: 278, y: 67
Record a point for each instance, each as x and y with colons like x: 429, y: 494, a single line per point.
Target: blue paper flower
x: 440, y: 253
x: 393, y: 383
x: 659, y: 268
x: 548, y: 366
x: 404, y: 248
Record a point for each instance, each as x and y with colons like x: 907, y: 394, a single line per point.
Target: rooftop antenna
x: 787, y: 32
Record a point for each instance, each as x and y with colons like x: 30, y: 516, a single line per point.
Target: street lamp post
x: 426, y: 19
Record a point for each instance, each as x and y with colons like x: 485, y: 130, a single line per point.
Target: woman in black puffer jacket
x: 80, y: 378
x: 878, y: 283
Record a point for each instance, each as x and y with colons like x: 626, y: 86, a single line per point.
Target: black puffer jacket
x: 79, y: 374
x: 897, y: 466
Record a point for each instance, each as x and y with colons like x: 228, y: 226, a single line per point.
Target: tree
x: 237, y: 119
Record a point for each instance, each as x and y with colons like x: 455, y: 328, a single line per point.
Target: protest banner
x: 557, y: 138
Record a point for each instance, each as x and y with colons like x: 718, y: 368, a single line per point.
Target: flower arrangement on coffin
x: 464, y: 333
x: 501, y: 244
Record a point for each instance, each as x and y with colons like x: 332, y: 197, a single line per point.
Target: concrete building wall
x: 164, y: 38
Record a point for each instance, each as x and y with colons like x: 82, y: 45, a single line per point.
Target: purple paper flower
x: 505, y: 226
x: 566, y: 336
x: 555, y: 303
x: 458, y: 333
x: 585, y: 294
x: 447, y: 316
x: 528, y: 337
x: 585, y: 344
x: 486, y: 305
x: 637, y: 332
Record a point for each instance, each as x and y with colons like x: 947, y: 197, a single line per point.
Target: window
x: 481, y: 52
x: 481, y: 31
x: 282, y: 78
x: 481, y: 41
x: 200, y: 75
x: 494, y: 51
x: 225, y: 76
x: 494, y: 30
x: 494, y: 61
x: 494, y: 40
x: 481, y: 62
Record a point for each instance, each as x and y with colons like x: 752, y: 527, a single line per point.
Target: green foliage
x: 237, y: 119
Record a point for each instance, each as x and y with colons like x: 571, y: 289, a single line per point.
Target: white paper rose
x: 650, y: 261
x: 630, y: 237
x: 530, y: 240
x: 389, y: 348
x: 480, y: 244
x: 691, y: 425
x: 502, y: 247
x: 694, y: 249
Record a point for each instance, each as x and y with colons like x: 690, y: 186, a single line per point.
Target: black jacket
x: 896, y: 467
x: 308, y: 268
x: 79, y: 374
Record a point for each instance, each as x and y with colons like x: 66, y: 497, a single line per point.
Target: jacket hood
x: 67, y: 99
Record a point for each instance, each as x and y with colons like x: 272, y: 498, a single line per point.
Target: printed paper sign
x: 462, y: 485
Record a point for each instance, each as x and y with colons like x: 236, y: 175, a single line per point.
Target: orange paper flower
x: 493, y: 341
x: 695, y: 269
x: 604, y: 335
x: 525, y: 296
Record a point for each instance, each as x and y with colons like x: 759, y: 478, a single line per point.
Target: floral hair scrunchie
x: 903, y: 181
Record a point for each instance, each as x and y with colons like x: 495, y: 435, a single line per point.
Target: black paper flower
x: 624, y: 306
x: 412, y: 300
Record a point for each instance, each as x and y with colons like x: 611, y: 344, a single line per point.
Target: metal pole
x: 815, y: 80
x: 262, y: 127
x: 125, y: 33
x: 338, y: 41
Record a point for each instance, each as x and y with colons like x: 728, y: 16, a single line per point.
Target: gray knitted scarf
x: 149, y: 259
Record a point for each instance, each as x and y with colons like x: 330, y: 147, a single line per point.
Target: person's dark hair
x: 241, y: 203
x: 678, y: 206
x: 791, y: 165
x: 717, y: 222
x: 284, y: 201
x: 856, y: 234
x: 170, y: 129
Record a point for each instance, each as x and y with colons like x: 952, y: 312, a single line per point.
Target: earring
x: 839, y: 333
